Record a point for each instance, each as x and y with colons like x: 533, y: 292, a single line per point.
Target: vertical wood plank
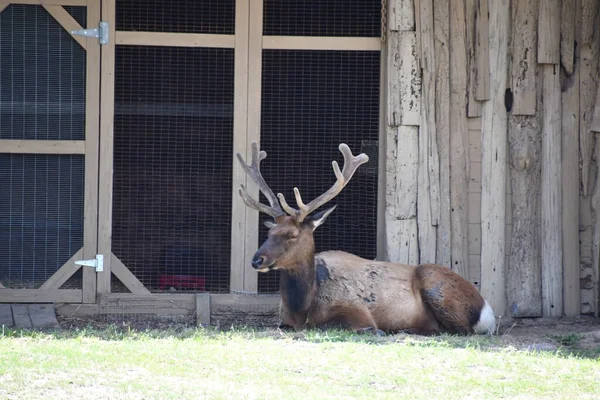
x: 401, y: 15
x: 493, y: 180
x: 428, y: 196
x: 402, y: 241
x: 523, y: 278
x: 549, y: 32
x: 459, y: 140
x: 482, y: 50
x: 240, y: 126
x: 524, y: 57
x: 406, y: 171
x: 567, y: 35
x: 589, y: 15
x: 107, y: 110
x: 442, y: 127
x: 587, y: 97
x: 203, y: 309
x: 253, y: 133
x: 570, y: 190
x: 551, y: 206
x: 409, y: 79
x: 595, y: 123
x: 595, y: 206
x: 394, y: 79
x: 474, y: 106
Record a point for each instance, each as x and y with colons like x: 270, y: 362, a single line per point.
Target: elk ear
x: 270, y: 224
x: 320, y: 217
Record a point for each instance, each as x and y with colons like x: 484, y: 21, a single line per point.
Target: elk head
x: 290, y: 240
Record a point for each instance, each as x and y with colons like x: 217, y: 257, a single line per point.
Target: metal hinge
x: 101, y: 32
x: 97, y: 263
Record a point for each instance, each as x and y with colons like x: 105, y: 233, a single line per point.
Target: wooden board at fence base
x: 523, y: 277
x: 6, y: 318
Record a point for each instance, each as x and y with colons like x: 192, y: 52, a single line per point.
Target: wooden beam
x: 494, y: 146
x: 442, y: 127
x: 240, y: 145
x: 401, y: 15
x: 567, y: 34
x: 64, y: 272
x: 92, y: 144
x: 105, y: 178
x: 126, y: 277
x: 549, y: 32
x: 42, y: 146
x: 174, y: 39
x: 321, y: 43
x: 394, y: 79
x: 524, y: 57
x: 459, y: 140
x: 40, y: 296
x: 66, y: 21
x: 428, y: 199
x: 254, y: 104
x: 482, y: 50
x: 551, y: 206
x: 47, y: 2
x: 474, y: 106
x: 570, y: 192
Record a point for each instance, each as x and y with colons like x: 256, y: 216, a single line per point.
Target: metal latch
x: 101, y: 32
x: 97, y: 263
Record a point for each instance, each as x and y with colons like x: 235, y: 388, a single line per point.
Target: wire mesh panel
x: 173, y: 154
x: 311, y: 102
x: 42, y: 97
x: 322, y: 18
x: 42, y: 77
x: 183, y: 16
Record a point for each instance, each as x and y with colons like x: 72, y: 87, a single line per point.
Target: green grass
x: 252, y: 364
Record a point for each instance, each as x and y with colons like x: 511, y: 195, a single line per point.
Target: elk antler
x: 351, y: 163
x: 254, y: 171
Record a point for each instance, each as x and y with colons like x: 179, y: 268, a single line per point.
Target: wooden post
x: 570, y: 161
x: 442, y: 127
x: 493, y: 180
x: 429, y: 184
x: 459, y: 140
x: 523, y: 278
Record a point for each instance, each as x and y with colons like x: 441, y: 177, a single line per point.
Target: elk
x: 336, y: 289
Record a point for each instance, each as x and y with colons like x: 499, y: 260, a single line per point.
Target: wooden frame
x: 49, y: 291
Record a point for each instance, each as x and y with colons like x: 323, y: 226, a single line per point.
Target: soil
x: 579, y: 335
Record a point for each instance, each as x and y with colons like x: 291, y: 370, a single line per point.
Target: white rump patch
x: 487, y: 322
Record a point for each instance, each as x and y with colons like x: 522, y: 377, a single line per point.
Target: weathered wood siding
x: 492, y: 115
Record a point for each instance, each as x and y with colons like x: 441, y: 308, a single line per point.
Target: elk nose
x: 257, y: 262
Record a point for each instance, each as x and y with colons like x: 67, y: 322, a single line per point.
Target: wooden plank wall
x: 492, y: 113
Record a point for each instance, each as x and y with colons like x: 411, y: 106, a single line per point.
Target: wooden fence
x: 491, y: 120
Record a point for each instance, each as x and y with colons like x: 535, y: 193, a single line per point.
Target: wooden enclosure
x: 479, y: 118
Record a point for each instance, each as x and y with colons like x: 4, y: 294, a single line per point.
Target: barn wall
x: 491, y: 120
